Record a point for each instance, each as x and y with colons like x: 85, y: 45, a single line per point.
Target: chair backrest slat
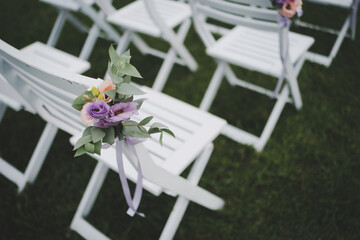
x: 49, y: 91
x: 238, y: 8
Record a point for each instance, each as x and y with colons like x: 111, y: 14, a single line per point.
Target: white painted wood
x: 157, y: 18
x: 326, y: 60
x: 50, y: 91
x: 337, y: 3
x: 253, y: 41
x: 136, y: 17
x: 67, y: 4
x: 56, y: 58
x: 257, y: 50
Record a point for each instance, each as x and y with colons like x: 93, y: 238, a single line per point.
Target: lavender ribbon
x: 284, y: 22
x: 353, y: 16
x: 134, y: 202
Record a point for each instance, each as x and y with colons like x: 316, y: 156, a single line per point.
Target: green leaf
x: 111, y: 93
x: 153, y: 130
x: 113, y: 76
x: 127, y: 79
x: 114, y: 57
x: 129, y: 89
x: 82, y: 141
x: 80, y: 151
x: 87, y: 131
x: 158, y: 125
x: 139, y: 102
x: 130, y: 70
x: 129, y: 123
x: 161, y: 139
x: 97, y: 134
x: 78, y: 103
x: 146, y: 120
x: 97, y: 148
x: 134, y: 131
x: 90, y: 147
x: 126, y: 56
x: 110, y: 136
x: 168, y: 131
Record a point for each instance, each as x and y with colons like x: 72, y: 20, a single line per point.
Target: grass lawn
x: 304, y: 185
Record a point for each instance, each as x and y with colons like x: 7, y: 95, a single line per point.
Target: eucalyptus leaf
x: 114, y: 57
x: 82, y: 141
x: 78, y: 103
x: 97, y: 134
x: 127, y: 79
x: 129, y: 123
x: 129, y: 89
x: 90, y: 147
x: 139, y: 102
x: 134, y: 131
x: 146, y: 120
x: 97, y: 147
x: 161, y: 139
x: 130, y: 70
x: 111, y: 93
x: 158, y: 125
x: 153, y: 130
x: 80, y: 151
x: 126, y: 56
x: 168, y: 131
x: 113, y: 76
x: 87, y: 131
x: 110, y: 136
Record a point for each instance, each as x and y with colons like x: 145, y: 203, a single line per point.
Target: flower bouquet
x: 106, y: 111
x: 288, y: 9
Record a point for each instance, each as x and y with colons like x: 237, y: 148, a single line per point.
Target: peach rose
x: 84, y: 116
x: 289, y: 9
x: 105, y: 86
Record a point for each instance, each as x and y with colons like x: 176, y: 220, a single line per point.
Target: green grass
x: 304, y: 185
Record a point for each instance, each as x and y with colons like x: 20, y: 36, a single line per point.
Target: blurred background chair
x: 50, y: 91
x: 347, y: 29
x: 157, y: 19
x: 49, y: 56
x: 252, y: 40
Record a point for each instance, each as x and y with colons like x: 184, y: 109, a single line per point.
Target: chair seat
x: 338, y: 3
x: 56, y: 58
x: 193, y: 130
x: 67, y: 4
x: 257, y: 50
x: 136, y: 17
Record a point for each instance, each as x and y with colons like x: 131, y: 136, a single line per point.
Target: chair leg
x: 213, y: 87
x: 35, y: 162
x: 182, y: 203
x: 3, y: 107
x: 273, y: 119
x: 90, y: 42
x: 55, y: 33
x: 169, y: 60
x: 79, y: 224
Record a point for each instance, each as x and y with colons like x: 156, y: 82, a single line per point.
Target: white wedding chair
x: 49, y: 56
x: 348, y: 28
x: 51, y: 91
x: 158, y: 19
x: 255, y: 42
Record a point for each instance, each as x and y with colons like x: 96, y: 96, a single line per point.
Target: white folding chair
x: 348, y: 28
x: 255, y: 42
x: 50, y: 92
x: 65, y: 8
x: 158, y: 19
x: 49, y: 56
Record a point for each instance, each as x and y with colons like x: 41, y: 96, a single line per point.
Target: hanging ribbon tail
x: 284, y: 22
x: 132, y: 203
x: 353, y: 16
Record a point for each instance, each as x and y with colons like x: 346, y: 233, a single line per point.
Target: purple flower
x: 119, y: 112
x: 284, y: 1
x: 98, y: 109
